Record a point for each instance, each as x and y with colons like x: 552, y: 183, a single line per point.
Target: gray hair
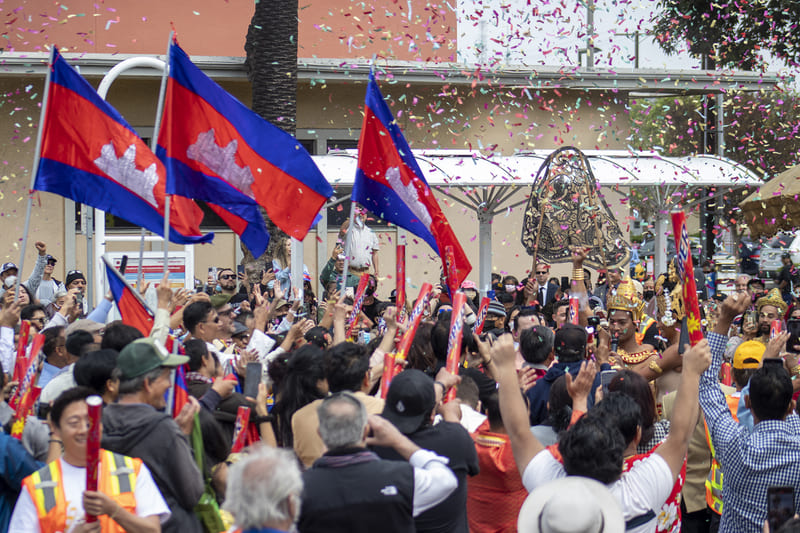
x: 260, y: 487
x: 342, y: 419
x: 134, y: 385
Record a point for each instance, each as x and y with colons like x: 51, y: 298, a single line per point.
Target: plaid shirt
x: 751, y: 461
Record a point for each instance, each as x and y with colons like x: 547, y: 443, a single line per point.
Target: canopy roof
x: 463, y: 168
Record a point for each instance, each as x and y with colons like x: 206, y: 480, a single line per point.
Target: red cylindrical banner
x: 400, y: 282
x: 450, y: 265
x: 574, y: 308
x: 455, y: 338
x: 95, y: 404
x: 483, y: 310
x: 411, y: 329
x: 358, y: 301
x: 775, y: 328
x: 388, y: 373
x: 686, y: 274
x: 240, y: 429
x: 726, y: 377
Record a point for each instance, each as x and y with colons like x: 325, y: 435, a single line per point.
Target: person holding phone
x: 767, y: 456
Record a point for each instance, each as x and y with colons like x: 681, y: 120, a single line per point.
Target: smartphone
x: 123, y: 264
x: 793, y: 327
x: 780, y: 506
x: 605, y: 378
x: 349, y: 292
x: 564, y: 284
x: 240, y: 270
x: 684, y: 338
x: 212, y: 271
x: 252, y: 379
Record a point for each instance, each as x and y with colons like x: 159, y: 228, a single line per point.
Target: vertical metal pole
x: 485, y: 252
x: 347, y: 246
x: 34, y: 169
x: 296, y: 264
x: 590, y: 34
x: 322, y: 247
x: 153, y: 143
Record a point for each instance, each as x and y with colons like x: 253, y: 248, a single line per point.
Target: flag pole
x: 347, y: 244
x: 352, y: 209
x: 153, y: 144
x: 36, y: 156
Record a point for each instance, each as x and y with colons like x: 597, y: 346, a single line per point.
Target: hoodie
x: 138, y: 430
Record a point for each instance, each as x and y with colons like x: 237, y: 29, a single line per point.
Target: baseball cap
x: 50, y: 259
x: 238, y: 329
x: 569, y: 340
x: 467, y: 284
x: 8, y: 266
x: 72, y: 275
x: 143, y: 355
x: 748, y: 355
x: 410, y: 398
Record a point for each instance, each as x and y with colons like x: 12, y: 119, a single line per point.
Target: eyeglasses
x: 541, y: 271
x: 227, y: 276
x: 39, y: 320
x: 215, y: 321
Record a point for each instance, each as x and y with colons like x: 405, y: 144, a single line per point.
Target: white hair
x: 342, y: 419
x: 260, y: 487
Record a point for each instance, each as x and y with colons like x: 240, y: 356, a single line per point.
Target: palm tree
x: 271, y: 62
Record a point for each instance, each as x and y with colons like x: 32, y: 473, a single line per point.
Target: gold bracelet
x: 655, y: 368
x: 578, y: 275
x: 796, y: 370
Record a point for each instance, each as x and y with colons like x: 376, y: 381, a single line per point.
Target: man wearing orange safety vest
x: 746, y: 360
x: 55, y: 498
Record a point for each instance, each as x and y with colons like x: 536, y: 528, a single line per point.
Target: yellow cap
x: 748, y: 355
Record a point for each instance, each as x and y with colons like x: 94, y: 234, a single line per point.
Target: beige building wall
x: 465, y: 121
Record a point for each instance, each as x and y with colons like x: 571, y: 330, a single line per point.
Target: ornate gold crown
x: 773, y: 298
x: 626, y: 299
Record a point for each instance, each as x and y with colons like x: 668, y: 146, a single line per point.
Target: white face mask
x: 511, y: 288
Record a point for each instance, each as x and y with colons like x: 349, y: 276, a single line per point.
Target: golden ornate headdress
x: 626, y: 299
x: 773, y: 298
x: 669, y: 296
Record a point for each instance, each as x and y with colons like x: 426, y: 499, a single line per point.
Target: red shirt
x: 496, y: 494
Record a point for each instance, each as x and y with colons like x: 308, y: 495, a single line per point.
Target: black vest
x: 361, y: 498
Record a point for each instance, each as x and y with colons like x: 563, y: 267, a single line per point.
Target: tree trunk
x: 271, y: 62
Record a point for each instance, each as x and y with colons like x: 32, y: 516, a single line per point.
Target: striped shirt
x: 752, y: 461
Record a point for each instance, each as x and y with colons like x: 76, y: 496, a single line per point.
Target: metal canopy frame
x: 488, y: 197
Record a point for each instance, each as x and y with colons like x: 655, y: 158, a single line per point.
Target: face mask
x: 511, y: 288
x: 649, y: 294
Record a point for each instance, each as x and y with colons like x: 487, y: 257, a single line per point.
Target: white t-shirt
x: 149, y: 501
x: 646, y: 486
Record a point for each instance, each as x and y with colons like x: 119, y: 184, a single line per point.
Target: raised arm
x: 512, y: 407
x: 684, y: 417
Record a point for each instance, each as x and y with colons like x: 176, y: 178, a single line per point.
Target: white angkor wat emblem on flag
x: 408, y: 193
x: 221, y: 161
x: 123, y: 170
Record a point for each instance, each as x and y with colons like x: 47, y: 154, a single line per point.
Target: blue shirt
x: 769, y: 455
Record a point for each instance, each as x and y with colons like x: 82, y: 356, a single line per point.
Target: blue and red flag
x: 91, y: 155
x: 181, y: 392
x: 133, y: 310
x: 390, y: 183
x: 219, y: 151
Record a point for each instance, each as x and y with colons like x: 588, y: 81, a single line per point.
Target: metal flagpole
x: 347, y: 245
x: 154, y: 142
x: 36, y: 155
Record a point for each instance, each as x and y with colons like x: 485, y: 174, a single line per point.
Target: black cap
x: 410, y: 398
x: 570, y: 341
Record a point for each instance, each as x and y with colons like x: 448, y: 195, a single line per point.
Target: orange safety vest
x: 117, y: 479
x: 714, y: 479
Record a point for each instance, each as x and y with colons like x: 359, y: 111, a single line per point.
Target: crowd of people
x: 580, y: 407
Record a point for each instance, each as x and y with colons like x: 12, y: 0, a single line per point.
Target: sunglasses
x: 227, y: 276
x: 541, y: 271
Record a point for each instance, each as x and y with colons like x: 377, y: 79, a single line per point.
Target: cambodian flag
x: 219, y: 151
x: 181, y: 393
x: 390, y: 183
x: 91, y: 155
x: 133, y: 310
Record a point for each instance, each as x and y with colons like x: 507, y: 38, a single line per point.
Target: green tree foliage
x: 733, y: 33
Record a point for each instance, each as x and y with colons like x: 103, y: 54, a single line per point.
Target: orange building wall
x: 327, y: 28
